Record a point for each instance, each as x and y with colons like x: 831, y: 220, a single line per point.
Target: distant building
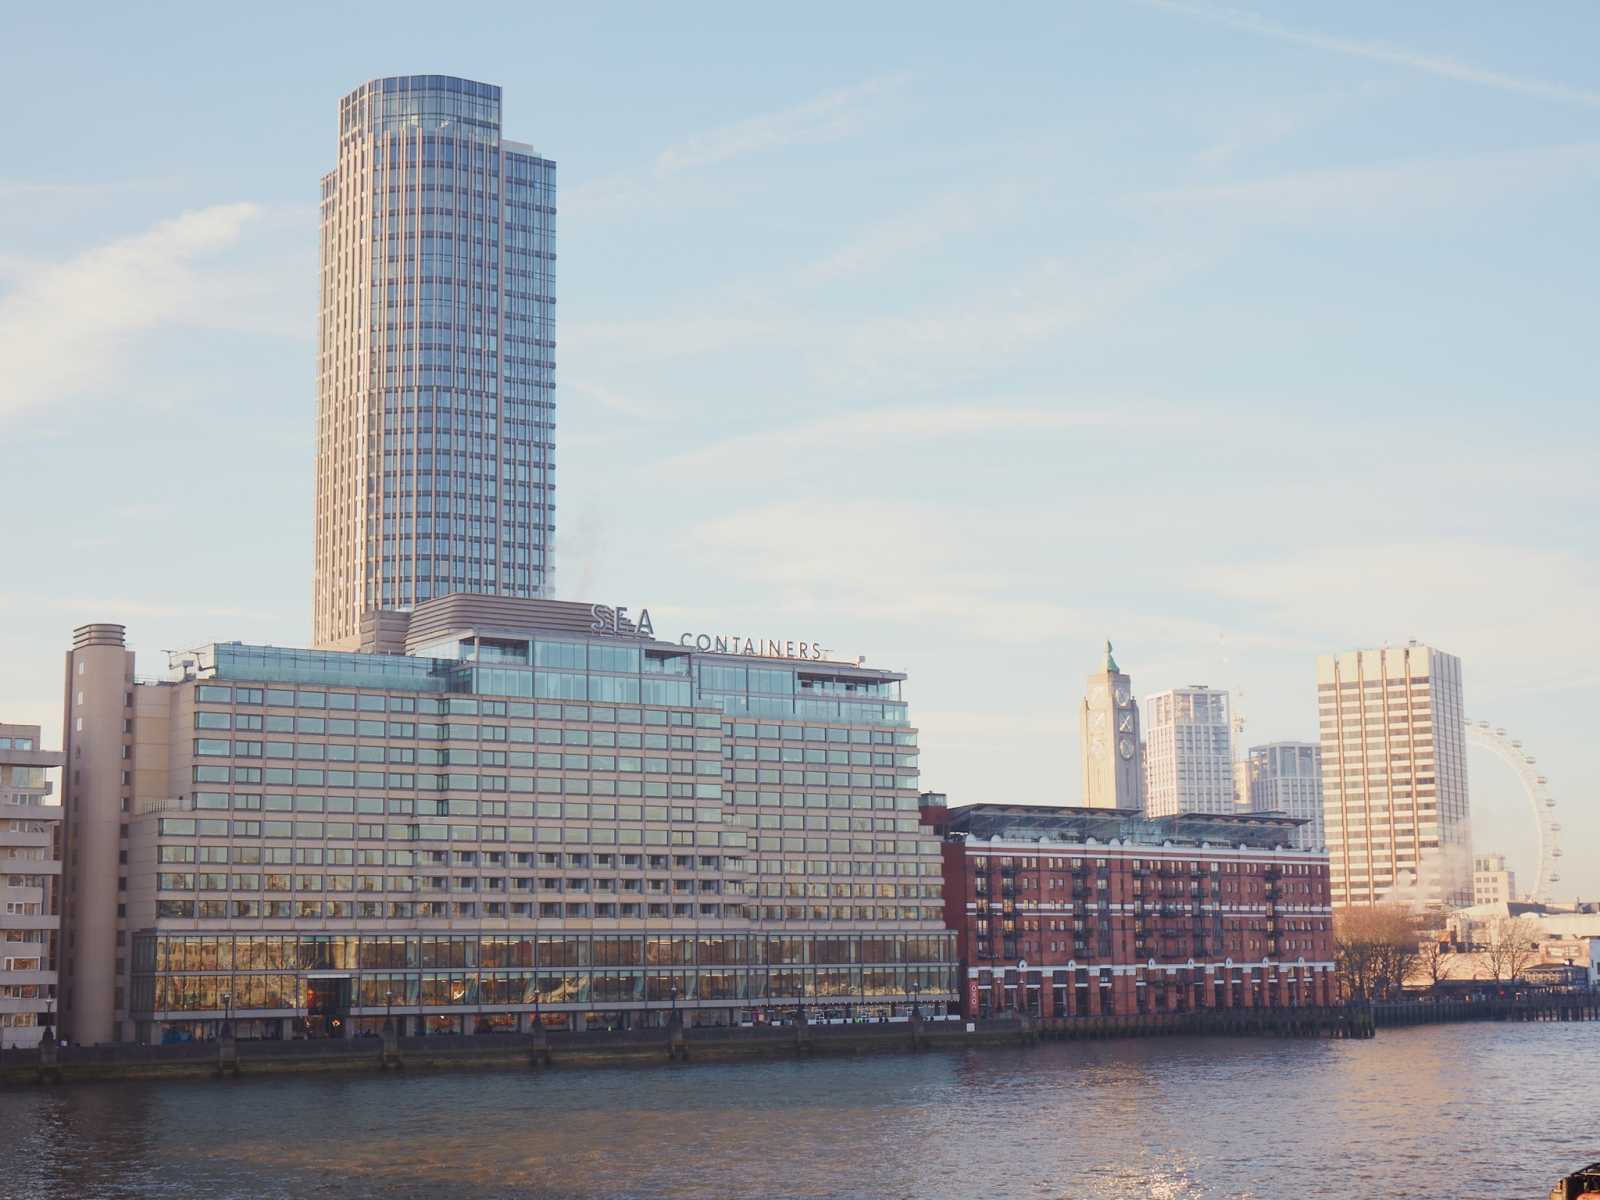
x: 1190, y: 747
x: 1241, y: 785
x: 1492, y: 881
x: 1108, y: 727
x: 1286, y: 777
x: 1576, y: 951
x: 435, y: 466
x: 1394, y: 776
x: 1078, y: 912
x: 30, y: 882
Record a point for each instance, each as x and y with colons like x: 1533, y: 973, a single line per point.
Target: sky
x: 960, y: 339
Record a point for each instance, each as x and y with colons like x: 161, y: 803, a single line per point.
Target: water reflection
x: 1470, y: 1107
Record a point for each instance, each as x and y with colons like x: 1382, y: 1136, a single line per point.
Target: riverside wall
x: 558, y: 1049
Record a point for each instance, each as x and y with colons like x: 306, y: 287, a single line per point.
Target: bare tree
x: 1376, y: 948
x: 1510, y: 947
x: 1434, y: 960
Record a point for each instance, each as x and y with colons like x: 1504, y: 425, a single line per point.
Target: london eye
x: 1536, y: 790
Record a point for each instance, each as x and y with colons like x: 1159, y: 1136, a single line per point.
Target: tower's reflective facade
x: 435, y: 356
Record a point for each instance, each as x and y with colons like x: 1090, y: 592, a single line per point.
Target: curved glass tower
x: 435, y: 356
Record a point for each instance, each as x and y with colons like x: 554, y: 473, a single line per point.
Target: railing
x: 164, y: 805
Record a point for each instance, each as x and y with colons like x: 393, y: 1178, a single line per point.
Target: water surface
x: 1493, y: 1111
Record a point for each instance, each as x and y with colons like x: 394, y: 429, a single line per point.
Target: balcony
x: 34, y: 921
x: 42, y: 979
x: 28, y: 841
x: 11, y: 865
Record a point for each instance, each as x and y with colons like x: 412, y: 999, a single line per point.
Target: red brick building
x: 1066, y: 912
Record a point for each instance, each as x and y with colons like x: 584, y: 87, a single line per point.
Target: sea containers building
x: 538, y: 809
x: 1077, y: 912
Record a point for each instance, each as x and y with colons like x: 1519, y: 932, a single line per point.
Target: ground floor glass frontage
x: 285, y: 985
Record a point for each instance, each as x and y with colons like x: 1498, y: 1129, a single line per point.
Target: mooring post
x: 49, y: 1058
x: 389, y: 1055
x: 538, y: 1045
x: 677, y: 1043
x: 227, y: 1052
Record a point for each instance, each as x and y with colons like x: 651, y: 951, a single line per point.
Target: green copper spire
x: 1111, y: 663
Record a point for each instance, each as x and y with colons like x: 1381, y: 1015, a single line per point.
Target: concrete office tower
x: 525, y: 802
x: 1394, y: 776
x: 97, y: 786
x: 30, y: 884
x: 1286, y: 777
x: 435, y: 357
x: 1108, y: 730
x: 1492, y: 881
x: 1190, y: 745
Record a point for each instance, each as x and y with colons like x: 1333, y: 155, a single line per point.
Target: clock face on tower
x: 1125, y: 747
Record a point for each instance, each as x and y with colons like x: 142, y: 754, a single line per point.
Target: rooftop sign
x: 616, y: 622
x: 754, y: 647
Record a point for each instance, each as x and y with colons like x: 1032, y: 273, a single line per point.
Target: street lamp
x: 916, y: 988
x: 674, y: 1004
x: 388, y: 1012
x: 227, y: 1012
x: 800, y: 1000
x: 49, y: 1033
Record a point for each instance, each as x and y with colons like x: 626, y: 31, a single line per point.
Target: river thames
x: 1457, y: 1110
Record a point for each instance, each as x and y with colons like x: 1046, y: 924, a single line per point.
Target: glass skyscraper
x: 435, y: 356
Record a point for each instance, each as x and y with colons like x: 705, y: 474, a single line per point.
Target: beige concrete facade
x: 1394, y: 776
x: 1492, y: 881
x: 30, y: 886
x: 97, y: 794
x: 605, y: 788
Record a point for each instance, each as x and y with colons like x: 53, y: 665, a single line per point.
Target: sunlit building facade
x: 1188, y: 752
x: 435, y: 357
x: 1064, y: 913
x: 1109, y: 739
x: 1394, y: 776
x: 1492, y: 881
x: 532, y: 808
x: 30, y: 882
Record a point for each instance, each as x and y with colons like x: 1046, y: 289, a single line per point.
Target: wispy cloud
x: 825, y: 118
x: 1387, y: 189
x: 1447, y: 68
x: 117, y: 608
x: 55, y: 190
x: 858, y: 430
x: 1257, y: 127
x: 676, y: 175
x: 1468, y: 596
x: 914, y: 565
x: 894, y: 239
x: 62, y: 326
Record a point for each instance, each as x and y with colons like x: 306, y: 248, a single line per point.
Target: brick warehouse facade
x: 1069, y: 912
